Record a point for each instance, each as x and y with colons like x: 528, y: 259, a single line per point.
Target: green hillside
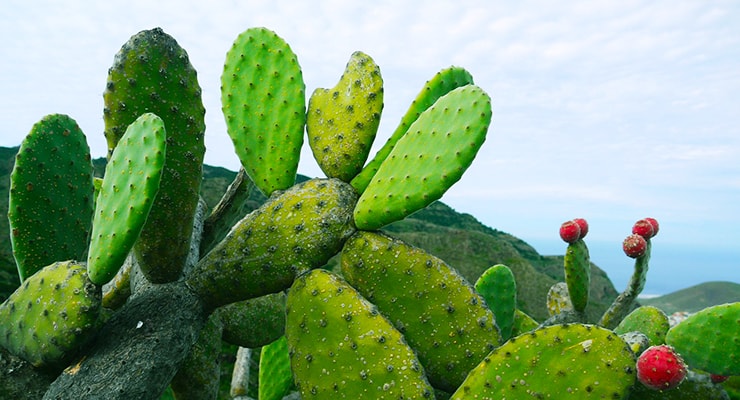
x: 459, y: 239
x: 697, y: 297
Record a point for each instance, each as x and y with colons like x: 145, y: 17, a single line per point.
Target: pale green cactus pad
x: 48, y: 318
x: 341, y: 347
x: 342, y: 122
x: 561, y: 361
x: 126, y: 196
x: 435, y: 152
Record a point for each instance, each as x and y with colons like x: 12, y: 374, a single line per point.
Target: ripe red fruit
x: 654, y: 223
x: 718, y: 378
x: 583, y: 225
x: 570, y: 231
x: 660, y: 368
x: 643, y: 228
x: 634, y: 246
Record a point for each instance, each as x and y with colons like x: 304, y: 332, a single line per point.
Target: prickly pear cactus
x: 341, y: 347
x: 558, y: 299
x: 295, y: 230
x: 275, y: 376
x: 51, y: 195
x: 48, y: 318
x: 710, y: 339
x: 443, y: 82
x: 438, y: 147
x: 559, y: 361
x: 131, y: 182
x: 255, y: 322
x: 152, y: 74
x: 440, y: 314
x: 498, y: 288
x: 342, y: 121
x: 263, y: 100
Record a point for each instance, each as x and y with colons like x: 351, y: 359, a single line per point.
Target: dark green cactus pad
x: 48, y: 318
x: 649, y: 320
x: 441, y: 315
x: 295, y: 230
x: 696, y: 386
x: 578, y: 274
x: 51, y: 195
x: 199, y: 375
x: 132, y: 179
x: 442, y: 83
x: 152, y: 74
x: 710, y: 339
x: 341, y: 347
x: 342, y: 122
x: 625, y: 302
x: 275, y: 377
x: 435, y: 152
x: 255, y: 322
x: 498, y: 288
x: 264, y: 103
x: 560, y: 361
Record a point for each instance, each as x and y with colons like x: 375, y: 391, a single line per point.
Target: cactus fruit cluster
x: 130, y: 286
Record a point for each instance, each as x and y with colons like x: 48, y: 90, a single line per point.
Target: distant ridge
x: 696, y: 297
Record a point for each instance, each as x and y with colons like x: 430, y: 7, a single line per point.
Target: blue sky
x: 607, y: 110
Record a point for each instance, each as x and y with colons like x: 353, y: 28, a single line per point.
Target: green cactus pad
x: 442, y: 83
x: 51, y: 195
x: 275, y: 376
x: 523, y: 323
x: 132, y: 179
x: 342, y: 122
x: 625, y: 302
x: 695, y: 387
x: 558, y: 299
x: 295, y: 230
x: 255, y: 322
x: 498, y: 288
x: 341, y: 347
x: 434, y: 153
x: 578, y: 274
x: 561, y: 361
x: 710, y: 339
x: 441, y: 315
x: 648, y: 320
x: 264, y: 103
x: 48, y: 318
x: 152, y: 74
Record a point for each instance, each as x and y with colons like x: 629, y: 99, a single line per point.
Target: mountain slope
x: 696, y: 297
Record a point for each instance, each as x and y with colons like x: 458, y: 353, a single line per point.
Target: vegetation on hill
x: 696, y: 297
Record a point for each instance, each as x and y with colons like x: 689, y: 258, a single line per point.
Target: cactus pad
x: 275, y: 376
x: 578, y: 274
x: 51, y: 195
x: 295, y: 230
x: 129, y: 188
x: 255, y: 322
x: 498, y: 288
x: 578, y: 361
x: 558, y: 299
x: 710, y: 339
x: 437, y: 310
x: 342, y: 121
x: 264, y: 103
x: 435, y: 152
x: 442, y: 83
x: 342, y: 347
x: 51, y: 315
x: 649, y: 320
x: 152, y: 74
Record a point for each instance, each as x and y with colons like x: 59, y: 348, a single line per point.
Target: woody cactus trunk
x: 130, y: 285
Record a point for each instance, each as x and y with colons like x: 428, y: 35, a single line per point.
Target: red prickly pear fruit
x: 660, y: 368
x: 654, y: 223
x: 570, y: 231
x: 718, y: 378
x: 644, y: 228
x: 634, y: 246
x: 583, y: 225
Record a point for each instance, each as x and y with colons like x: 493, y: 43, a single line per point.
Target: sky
x: 606, y: 110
